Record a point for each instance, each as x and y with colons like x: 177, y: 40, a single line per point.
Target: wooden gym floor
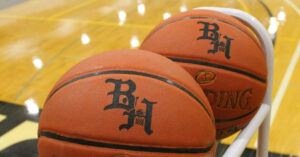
x: 41, y: 40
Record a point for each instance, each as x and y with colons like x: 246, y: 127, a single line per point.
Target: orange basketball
x: 126, y: 103
x: 224, y: 57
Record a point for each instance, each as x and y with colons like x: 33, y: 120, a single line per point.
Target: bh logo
x: 129, y: 103
x: 210, y: 32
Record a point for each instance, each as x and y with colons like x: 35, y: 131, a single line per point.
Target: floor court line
x: 80, y: 5
x: 284, y: 83
x: 36, y: 74
x: 293, y: 6
x: 91, y: 22
x: 287, y: 76
x: 30, y: 81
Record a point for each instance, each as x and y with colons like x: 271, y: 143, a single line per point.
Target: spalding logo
x: 205, y: 76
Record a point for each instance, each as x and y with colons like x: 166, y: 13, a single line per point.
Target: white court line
x: 293, y: 6
x: 284, y: 83
x: 287, y: 76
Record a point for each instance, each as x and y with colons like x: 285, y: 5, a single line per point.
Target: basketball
x: 126, y: 103
x: 223, y: 55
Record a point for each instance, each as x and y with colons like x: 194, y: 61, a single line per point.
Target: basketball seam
x: 236, y: 118
x: 130, y: 72
x: 122, y: 146
x: 200, y: 17
x: 245, y: 73
x: 228, y: 127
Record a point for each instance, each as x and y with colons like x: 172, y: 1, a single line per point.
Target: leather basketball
x: 224, y: 57
x: 126, y: 103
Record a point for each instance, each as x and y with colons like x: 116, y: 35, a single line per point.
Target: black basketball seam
x: 235, y: 118
x: 228, y: 127
x: 199, y: 17
x: 127, y: 147
x: 219, y: 66
x: 133, y: 73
